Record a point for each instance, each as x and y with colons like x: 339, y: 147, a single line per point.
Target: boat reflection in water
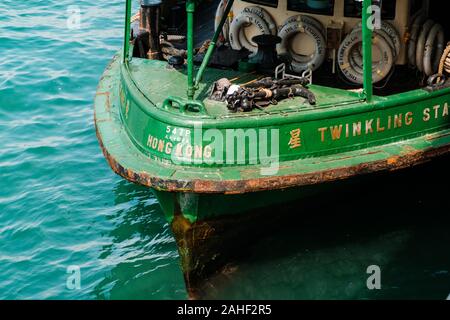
x: 317, y: 249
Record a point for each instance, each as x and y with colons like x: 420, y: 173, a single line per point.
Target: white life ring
x: 357, y: 52
x: 380, y: 70
x: 265, y: 16
x: 242, y: 20
x: 389, y: 33
x: 393, y: 34
x: 301, y: 63
x: 434, y: 48
x: 356, y: 60
x: 306, y: 19
x: 421, y: 41
x: 219, y: 13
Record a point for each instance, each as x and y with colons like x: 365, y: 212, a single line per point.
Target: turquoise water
x: 61, y: 205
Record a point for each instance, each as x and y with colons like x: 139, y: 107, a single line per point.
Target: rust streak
x: 108, y: 103
x: 436, y: 137
x: 271, y: 183
x: 350, y: 157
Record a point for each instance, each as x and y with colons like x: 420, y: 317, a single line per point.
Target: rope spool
x: 444, y: 64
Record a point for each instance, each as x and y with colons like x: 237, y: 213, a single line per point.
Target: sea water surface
x: 63, y: 209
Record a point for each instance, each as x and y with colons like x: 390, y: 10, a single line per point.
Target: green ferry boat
x: 287, y: 96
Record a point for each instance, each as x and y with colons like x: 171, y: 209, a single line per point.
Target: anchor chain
x: 265, y: 92
x: 261, y: 93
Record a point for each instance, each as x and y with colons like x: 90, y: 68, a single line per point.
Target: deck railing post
x: 190, y: 9
x: 126, y: 45
x: 367, y: 32
x: 213, y: 43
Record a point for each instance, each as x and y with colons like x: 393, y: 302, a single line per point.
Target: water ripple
x: 60, y: 204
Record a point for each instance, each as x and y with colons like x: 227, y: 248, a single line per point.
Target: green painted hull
x: 340, y: 138
x: 164, y: 144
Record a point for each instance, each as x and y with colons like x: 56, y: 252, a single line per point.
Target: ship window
x: 353, y: 9
x: 268, y: 3
x: 325, y: 7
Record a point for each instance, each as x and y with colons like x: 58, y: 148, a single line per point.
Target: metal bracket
x: 437, y: 82
x: 280, y: 73
x: 183, y: 104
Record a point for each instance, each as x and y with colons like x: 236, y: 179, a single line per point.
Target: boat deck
x: 414, y: 145
x: 154, y: 79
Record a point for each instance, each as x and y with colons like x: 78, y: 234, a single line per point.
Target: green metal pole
x: 367, y: 31
x: 190, y: 9
x: 126, y: 45
x: 212, y: 44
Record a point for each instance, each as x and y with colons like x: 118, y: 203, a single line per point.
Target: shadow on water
x: 142, y: 252
x: 319, y: 248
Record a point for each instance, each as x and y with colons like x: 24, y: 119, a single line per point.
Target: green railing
x: 126, y: 45
x: 367, y: 49
x: 212, y: 45
x: 193, y: 82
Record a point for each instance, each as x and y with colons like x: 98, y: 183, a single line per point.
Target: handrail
x: 212, y: 44
x: 190, y: 9
x: 126, y: 45
x: 194, y: 82
x: 367, y: 49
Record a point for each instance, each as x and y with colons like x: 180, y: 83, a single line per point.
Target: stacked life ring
x: 252, y: 15
x: 350, y: 59
x: 414, y: 31
x: 311, y: 27
x: 426, y: 45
